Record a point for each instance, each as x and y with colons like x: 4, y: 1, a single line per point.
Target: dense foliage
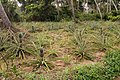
x: 109, y: 71
x: 43, y: 10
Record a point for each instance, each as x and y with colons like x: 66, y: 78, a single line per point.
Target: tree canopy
x: 58, y: 10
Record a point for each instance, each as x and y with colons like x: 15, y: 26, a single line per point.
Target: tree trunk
x: 73, y: 10
x: 110, y: 6
x: 107, y: 6
x: 58, y: 10
x: 5, y: 19
x: 68, y: 3
x: 114, y: 5
x: 98, y: 9
x: 87, y: 6
x: 78, y: 4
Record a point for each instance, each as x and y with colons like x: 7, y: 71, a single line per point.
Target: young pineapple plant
x: 18, y: 46
x: 33, y: 29
x: 52, y: 53
x: 3, y: 40
x: 41, y: 58
x: 84, y: 45
x: 116, y: 33
x: 70, y: 27
x: 3, y: 44
x: 103, y: 39
x: 39, y: 44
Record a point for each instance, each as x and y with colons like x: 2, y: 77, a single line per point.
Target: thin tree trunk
x: 87, y: 6
x: 110, y: 5
x: 58, y: 10
x: 68, y: 3
x: 98, y: 9
x: 114, y: 5
x: 78, y: 4
x: 107, y: 6
x: 84, y: 5
x: 73, y: 10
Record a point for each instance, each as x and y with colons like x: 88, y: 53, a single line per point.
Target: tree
x: 98, y: 9
x: 58, y: 9
x: 73, y: 10
x: 114, y: 6
x: 23, y: 2
x: 5, y: 19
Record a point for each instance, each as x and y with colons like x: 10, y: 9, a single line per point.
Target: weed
x: 67, y: 59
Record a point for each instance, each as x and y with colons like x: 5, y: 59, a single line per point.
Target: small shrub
x: 87, y: 17
x: 108, y: 70
x: 113, y: 16
x: 90, y: 72
x: 112, y: 62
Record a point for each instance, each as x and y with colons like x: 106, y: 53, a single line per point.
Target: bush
x: 65, y: 14
x: 107, y: 71
x: 91, y: 72
x: 113, y: 16
x: 89, y: 16
x: 112, y: 63
x: 40, y: 12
